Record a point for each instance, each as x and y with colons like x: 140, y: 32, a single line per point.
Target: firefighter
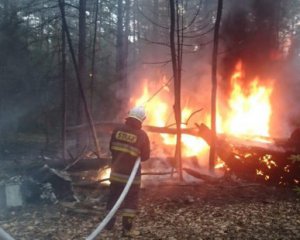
x: 127, y: 143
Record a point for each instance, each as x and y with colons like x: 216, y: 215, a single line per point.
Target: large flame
x: 248, y: 112
x: 160, y: 114
x: 192, y: 146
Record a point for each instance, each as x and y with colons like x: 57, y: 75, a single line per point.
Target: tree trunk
x: 176, y: 74
x: 64, y: 86
x: 81, y: 89
x: 81, y: 138
x: 212, y: 153
x: 125, y: 40
x: 120, y: 42
x: 92, y: 73
x: 136, y: 33
x: 156, y: 16
x: 82, y: 39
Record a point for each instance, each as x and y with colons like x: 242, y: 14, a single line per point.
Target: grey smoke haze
x: 286, y: 98
x: 248, y: 34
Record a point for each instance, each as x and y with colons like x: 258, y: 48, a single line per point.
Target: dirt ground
x: 223, y: 210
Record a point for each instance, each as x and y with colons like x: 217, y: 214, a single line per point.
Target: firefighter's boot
x: 127, y: 223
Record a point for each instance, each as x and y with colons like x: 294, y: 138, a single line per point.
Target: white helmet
x: 138, y: 113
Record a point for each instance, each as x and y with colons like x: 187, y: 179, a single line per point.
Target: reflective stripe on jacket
x: 125, y: 148
x: 126, y: 144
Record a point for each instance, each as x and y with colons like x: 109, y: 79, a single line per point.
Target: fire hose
x: 4, y: 235
x: 112, y: 212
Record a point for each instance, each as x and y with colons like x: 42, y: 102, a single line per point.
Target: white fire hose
x: 112, y: 212
x: 4, y: 235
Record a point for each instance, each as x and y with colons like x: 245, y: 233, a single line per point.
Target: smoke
x: 253, y: 33
x: 14, y: 112
x: 286, y: 111
x: 250, y: 35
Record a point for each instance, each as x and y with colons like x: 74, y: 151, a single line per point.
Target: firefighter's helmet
x: 138, y: 113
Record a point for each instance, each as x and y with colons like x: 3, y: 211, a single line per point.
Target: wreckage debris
x: 43, y: 184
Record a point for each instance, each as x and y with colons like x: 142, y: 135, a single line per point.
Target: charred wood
x: 267, y: 165
x: 88, y: 164
x: 45, y: 181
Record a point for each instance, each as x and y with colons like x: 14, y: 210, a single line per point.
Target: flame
x: 103, y: 175
x: 248, y: 112
x: 160, y: 116
x: 192, y: 145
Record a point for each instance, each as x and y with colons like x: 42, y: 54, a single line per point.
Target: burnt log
x: 75, y: 165
x: 88, y: 164
x: 265, y: 163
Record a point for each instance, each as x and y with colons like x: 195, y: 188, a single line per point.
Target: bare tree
x: 176, y: 66
x: 64, y: 83
x: 79, y: 80
x: 212, y: 153
x: 81, y: 67
x: 120, y: 43
x: 92, y: 72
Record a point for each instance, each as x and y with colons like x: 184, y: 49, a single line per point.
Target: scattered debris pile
x: 43, y: 184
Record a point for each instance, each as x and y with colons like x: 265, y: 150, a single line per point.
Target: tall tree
x: 82, y: 39
x: 95, y: 30
x: 79, y: 80
x: 176, y: 66
x: 125, y: 38
x: 212, y: 153
x: 81, y: 138
x: 120, y: 42
x: 64, y: 83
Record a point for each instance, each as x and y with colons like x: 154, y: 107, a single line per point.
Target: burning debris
x: 246, y: 107
x: 264, y: 160
x: 266, y: 163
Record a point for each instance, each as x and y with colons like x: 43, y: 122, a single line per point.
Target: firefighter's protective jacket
x: 126, y: 145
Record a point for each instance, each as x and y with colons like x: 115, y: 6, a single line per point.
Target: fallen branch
x: 157, y: 173
x: 89, y: 184
x: 107, y: 127
x: 75, y: 208
x: 77, y: 159
x: 199, y: 175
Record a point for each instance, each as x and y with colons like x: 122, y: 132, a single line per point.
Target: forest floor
x: 169, y: 210
x: 227, y: 210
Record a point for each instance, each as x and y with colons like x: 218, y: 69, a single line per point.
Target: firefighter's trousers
x: 129, y: 206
